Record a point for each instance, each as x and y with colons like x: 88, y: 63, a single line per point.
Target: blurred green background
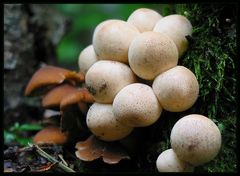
x: 85, y: 17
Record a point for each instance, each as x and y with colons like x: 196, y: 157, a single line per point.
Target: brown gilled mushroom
x: 66, y: 95
x: 51, y: 76
x: 54, y: 97
x: 50, y: 135
x: 93, y: 148
x: 78, y: 95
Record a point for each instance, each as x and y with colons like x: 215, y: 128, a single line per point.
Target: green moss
x: 212, y: 57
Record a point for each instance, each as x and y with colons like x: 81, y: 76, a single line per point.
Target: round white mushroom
x: 111, y: 40
x: 103, y: 124
x: 168, y: 161
x: 195, y: 139
x: 105, y: 79
x: 144, y: 19
x: 87, y: 58
x: 152, y: 53
x: 177, y: 27
x: 136, y: 105
x: 177, y: 89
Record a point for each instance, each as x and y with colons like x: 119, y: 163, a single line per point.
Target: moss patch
x: 212, y: 57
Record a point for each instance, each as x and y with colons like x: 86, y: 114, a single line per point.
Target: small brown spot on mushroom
x: 102, y: 87
x: 91, y: 90
x: 191, y: 147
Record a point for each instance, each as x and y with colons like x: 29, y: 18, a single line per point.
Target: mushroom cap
x: 168, y: 161
x: 106, y: 78
x: 136, y: 105
x: 177, y: 27
x: 144, y: 19
x: 50, y: 135
x: 102, y: 123
x: 195, y: 139
x: 111, y: 40
x: 176, y: 89
x: 152, y: 53
x: 87, y: 58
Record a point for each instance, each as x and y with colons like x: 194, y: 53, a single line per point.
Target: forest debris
x: 25, y: 159
x: 63, y: 160
x: 47, y: 167
x: 94, y: 148
x: 51, y: 159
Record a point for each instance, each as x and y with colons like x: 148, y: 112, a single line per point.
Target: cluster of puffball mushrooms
x: 131, y: 70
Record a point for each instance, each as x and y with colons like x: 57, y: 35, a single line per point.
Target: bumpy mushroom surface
x: 106, y: 78
x: 152, y: 53
x: 176, y: 89
x: 144, y: 19
x: 195, y: 139
x: 87, y: 58
x: 102, y: 123
x: 168, y: 161
x: 136, y: 105
x: 177, y: 27
x: 111, y: 40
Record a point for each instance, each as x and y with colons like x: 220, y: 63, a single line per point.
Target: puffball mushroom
x: 136, y: 105
x: 144, y: 19
x: 106, y: 78
x: 87, y: 58
x: 177, y: 27
x: 102, y: 122
x: 195, y: 139
x: 152, y: 53
x: 176, y: 89
x: 111, y: 40
x: 168, y: 161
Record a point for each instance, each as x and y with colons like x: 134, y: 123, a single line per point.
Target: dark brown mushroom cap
x: 76, y: 96
x: 50, y: 75
x: 54, y: 97
x: 93, y: 148
x: 50, y: 135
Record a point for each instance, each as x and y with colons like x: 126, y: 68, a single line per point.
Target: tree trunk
x: 31, y: 33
